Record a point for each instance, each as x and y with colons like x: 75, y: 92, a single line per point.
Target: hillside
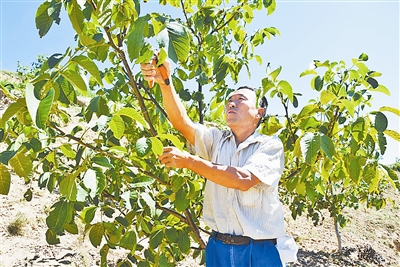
x: 371, y: 238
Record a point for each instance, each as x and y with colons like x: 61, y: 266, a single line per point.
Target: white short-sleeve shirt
x: 257, y: 212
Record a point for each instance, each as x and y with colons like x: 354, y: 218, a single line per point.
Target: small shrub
x: 16, y: 226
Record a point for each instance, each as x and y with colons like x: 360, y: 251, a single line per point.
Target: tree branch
x: 140, y: 83
x: 104, y: 153
x: 194, y: 228
x: 132, y: 81
x: 221, y: 24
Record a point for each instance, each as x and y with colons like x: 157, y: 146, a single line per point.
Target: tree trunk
x: 338, y: 236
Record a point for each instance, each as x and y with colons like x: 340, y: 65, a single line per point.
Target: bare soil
x: 372, y: 238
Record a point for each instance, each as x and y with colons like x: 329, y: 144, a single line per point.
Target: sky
x: 310, y: 30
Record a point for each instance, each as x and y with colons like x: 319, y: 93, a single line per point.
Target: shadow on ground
x: 358, y: 256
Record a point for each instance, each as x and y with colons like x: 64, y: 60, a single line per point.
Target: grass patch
x: 15, y: 228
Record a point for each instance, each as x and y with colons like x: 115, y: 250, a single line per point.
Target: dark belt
x: 239, y: 239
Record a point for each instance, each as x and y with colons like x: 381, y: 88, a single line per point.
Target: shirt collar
x: 253, y: 138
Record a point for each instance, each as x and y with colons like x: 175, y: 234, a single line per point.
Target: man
x: 242, y: 168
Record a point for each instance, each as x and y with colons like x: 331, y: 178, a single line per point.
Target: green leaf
x: 117, y: 126
x: 177, y: 183
x: 96, y: 234
x: 150, y: 202
x: 185, y: 95
x: 327, y: 96
x: 307, y: 72
x: 393, y: 134
x: 67, y: 150
x: 328, y: 147
x: 381, y: 89
x: 71, y: 228
x: 184, y: 241
x: 173, y: 138
x: 355, y: 170
x: 381, y: 122
x: 349, y: 105
x: 220, y: 69
x: 28, y: 195
x: 22, y: 165
x: 51, y: 238
x: 363, y: 57
x: 285, y: 88
x: 141, y: 181
x: 31, y: 101
x: 67, y: 93
x: 270, y: 5
x: 103, y: 253
x: 5, y: 180
x: 136, y: 37
x: 133, y: 114
x: 121, y: 220
x: 369, y: 173
x: 181, y: 202
x: 75, y: 16
x: 390, y: 109
x: 176, y: 41
x: 44, y: 109
x: 90, y: 181
x: 54, y: 60
x: 143, y: 146
x: 128, y: 241
x: 88, y: 214
x: 102, y: 161
x: 382, y: 143
x: 42, y: 19
x: 156, y: 146
x: 357, y: 129
x: 13, y: 109
x: 392, y: 175
x: 354, y: 75
x: 156, y: 239
x: 362, y: 68
x: 59, y: 215
x: 308, y: 110
x: 274, y: 74
x: 374, y: 83
x: 310, y: 144
x: 68, y: 187
x: 317, y: 83
x: 76, y: 80
x: 171, y: 234
x: 99, y: 105
x: 310, y: 123
x: 301, y: 188
x: 88, y: 65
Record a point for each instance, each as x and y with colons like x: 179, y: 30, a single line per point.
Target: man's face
x: 241, y: 109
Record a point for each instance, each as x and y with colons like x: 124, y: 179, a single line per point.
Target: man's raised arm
x: 173, y: 106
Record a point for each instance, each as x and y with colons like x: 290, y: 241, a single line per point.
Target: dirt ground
x: 371, y: 239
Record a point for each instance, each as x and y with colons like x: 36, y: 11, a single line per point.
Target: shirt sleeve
x: 204, y: 140
x: 267, y: 163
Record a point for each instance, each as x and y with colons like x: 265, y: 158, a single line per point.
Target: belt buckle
x: 228, y: 239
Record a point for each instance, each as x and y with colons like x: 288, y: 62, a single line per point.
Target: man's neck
x: 241, y: 135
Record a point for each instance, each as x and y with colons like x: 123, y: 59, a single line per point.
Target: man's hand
x: 173, y: 157
x: 153, y: 74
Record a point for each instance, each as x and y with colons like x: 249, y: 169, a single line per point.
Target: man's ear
x: 261, y: 112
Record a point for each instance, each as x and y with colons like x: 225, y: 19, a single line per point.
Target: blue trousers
x: 257, y: 254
